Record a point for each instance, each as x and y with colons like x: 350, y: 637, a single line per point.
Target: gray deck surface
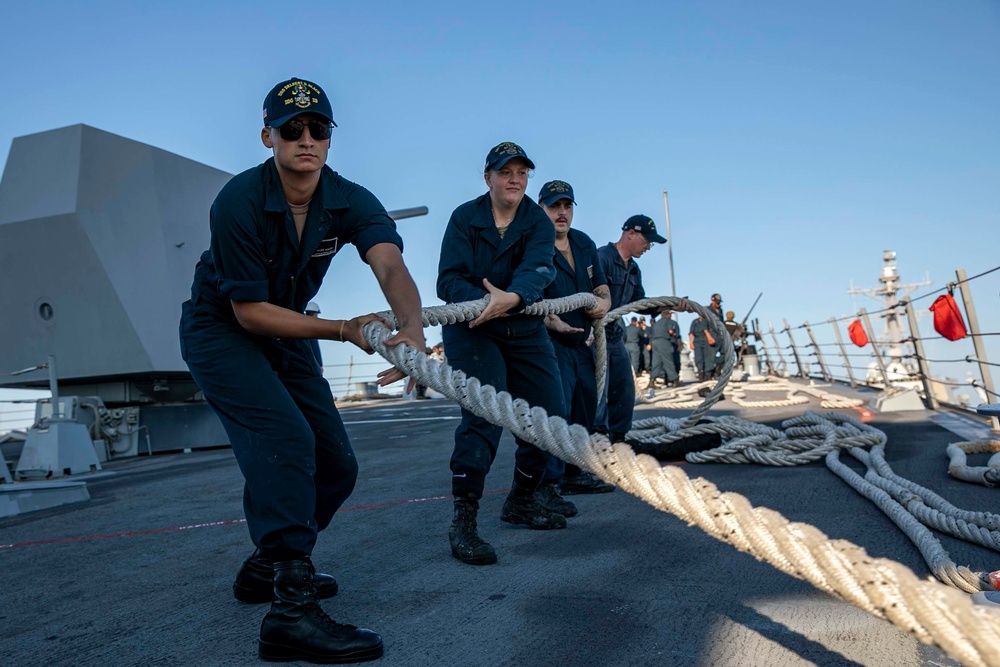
x: 114, y: 582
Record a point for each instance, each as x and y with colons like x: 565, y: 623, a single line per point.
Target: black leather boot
x: 466, y: 545
x: 297, y: 628
x: 255, y: 581
x: 583, y: 482
x: 548, y: 496
x: 523, y: 508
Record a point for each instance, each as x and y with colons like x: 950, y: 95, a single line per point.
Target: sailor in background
x: 577, y: 270
x: 715, y: 354
x: 730, y: 322
x: 420, y: 390
x: 312, y: 310
x: 499, y: 246
x: 737, y: 332
x: 645, y: 349
x: 274, y: 231
x: 703, y: 343
x: 633, y: 343
x: 666, y: 338
x: 614, y: 411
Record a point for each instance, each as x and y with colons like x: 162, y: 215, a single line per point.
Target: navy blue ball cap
x: 503, y: 153
x: 645, y: 226
x: 296, y: 96
x: 553, y: 191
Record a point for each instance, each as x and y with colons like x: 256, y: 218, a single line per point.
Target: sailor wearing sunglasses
x: 275, y: 230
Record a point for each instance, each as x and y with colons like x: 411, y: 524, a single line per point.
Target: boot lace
x: 323, y: 620
x: 467, y: 512
x: 547, y: 494
x: 467, y: 515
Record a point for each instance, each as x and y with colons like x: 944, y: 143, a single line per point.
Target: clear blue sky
x: 797, y: 139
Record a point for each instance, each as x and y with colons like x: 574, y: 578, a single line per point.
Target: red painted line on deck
x: 211, y: 524
x: 113, y: 536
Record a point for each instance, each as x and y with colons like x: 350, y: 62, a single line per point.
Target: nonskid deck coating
x: 141, y: 575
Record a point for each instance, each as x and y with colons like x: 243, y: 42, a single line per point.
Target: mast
x: 888, y: 294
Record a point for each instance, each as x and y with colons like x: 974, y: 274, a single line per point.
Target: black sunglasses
x: 319, y: 130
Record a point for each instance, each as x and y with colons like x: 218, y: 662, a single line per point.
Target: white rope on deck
x: 675, y: 398
x: 740, y: 398
x: 684, y: 397
x: 959, y: 468
x: 936, y: 614
x: 911, y: 507
x: 829, y: 399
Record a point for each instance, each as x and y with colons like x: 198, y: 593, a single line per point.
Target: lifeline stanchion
x: 819, y: 353
x: 803, y: 371
x: 840, y: 343
x: 772, y: 369
x: 350, y: 367
x: 918, y: 347
x: 874, y: 343
x: 782, y: 366
x: 970, y: 311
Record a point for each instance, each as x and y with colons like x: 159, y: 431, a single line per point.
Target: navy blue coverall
x: 513, y: 353
x: 704, y: 352
x: 614, y: 410
x: 576, y: 358
x: 716, y: 351
x: 270, y: 394
x: 645, y: 353
x: 314, y: 346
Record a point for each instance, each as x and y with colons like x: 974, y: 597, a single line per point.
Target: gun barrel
x: 402, y: 213
x: 751, y: 308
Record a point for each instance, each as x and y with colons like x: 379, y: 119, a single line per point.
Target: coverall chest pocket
x: 616, y: 277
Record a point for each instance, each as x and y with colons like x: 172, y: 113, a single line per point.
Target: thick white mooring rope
x: 936, y: 614
x: 912, y: 507
x: 959, y: 468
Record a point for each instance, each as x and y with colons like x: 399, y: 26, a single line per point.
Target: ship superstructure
x: 896, y: 349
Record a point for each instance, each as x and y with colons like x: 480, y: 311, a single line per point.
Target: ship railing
x: 901, y: 363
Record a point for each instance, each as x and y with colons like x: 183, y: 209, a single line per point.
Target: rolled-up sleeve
x: 536, y: 270
x: 456, y: 268
x: 370, y: 224
x: 238, y: 251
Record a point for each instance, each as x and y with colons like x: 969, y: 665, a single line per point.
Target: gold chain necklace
x: 497, y: 224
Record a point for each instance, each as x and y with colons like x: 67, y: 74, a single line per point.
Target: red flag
x: 857, y: 333
x: 948, y: 318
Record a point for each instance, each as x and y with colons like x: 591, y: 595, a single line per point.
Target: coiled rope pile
x: 934, y: 613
